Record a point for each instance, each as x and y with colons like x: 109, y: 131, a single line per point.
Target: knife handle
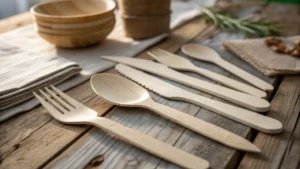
x: 151, y: 145
x: 229, y: 82
x: 242, y: 99
x: 252, y: 119
x: 202, y: 127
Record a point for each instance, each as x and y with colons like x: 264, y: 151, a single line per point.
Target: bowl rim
x: 112, y: 6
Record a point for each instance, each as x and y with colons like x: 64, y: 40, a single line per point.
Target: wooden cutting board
x: 255, y: 52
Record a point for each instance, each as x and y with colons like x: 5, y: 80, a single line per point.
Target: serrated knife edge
x: 125, y: 70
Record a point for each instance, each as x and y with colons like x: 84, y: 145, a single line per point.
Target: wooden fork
x: 182, y: 64
x: 67, y: 110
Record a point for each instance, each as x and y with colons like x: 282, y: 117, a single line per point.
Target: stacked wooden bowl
x: 145, y: 18
x: 74, y: 23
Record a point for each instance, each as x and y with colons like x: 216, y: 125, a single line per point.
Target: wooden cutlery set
x: 124, y: 92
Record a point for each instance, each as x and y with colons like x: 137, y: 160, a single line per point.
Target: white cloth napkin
x: 89, y: 58
x: 23, y: 72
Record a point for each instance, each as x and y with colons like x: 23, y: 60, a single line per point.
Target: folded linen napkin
x: 89, y: 58
x: 23, y: 72
x: 255, y: 52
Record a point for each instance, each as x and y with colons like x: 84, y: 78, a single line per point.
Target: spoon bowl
x: 118, y: 90
x: 200, y: 52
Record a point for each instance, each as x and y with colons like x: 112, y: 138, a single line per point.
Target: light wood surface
x: 206, y: 54
x: 73, y: 11
x: 179, y: 63
x: 35, y: 140
x: 123, y: 92
x: 251, y: 119
x: 67, y: 110
x: 245, y: 100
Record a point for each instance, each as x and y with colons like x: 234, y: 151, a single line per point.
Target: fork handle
x: 229, y: 82
x: 151, y: 145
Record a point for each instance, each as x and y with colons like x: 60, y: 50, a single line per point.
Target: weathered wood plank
x: 285, y: 107
x: 122, y: 155
x: 42, y: 125
x: 292, y: 156
x: 287, y: 14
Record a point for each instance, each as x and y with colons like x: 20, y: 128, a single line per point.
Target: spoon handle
x: 151, y: 145
x: 252, y: 119
x: 229, y: 82
x: 244, y: 75
x: 202, y: 127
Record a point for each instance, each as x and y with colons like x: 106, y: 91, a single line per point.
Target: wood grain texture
x: 120, y: 155
x: 37, y: 124
x: 276, y: 149
x: 33, y: 125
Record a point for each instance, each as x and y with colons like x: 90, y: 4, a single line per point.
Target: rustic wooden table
x: 35, y: 140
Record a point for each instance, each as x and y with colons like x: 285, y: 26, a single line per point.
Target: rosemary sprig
x: 259, y: 28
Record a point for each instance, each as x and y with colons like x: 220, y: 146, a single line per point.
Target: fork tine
x: 72, y: 101
x: 53, y: 102
x: 52, y: 110
x: 64, y: 103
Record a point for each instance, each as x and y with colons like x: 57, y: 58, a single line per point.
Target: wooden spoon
x: 123, y: 92
x: 206, y: 54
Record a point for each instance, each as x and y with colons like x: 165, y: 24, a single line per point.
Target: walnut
x: 270, y: 41
x: 296, y: 53
x: 275, y: 48
x: 282, y: 47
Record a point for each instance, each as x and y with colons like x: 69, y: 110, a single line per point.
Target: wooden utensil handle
x: 244, y: 75
x: 230, y: 82
x: 151, y: 145
x: 243, y: 99
x: 249, y: 118
x: 202, y: 127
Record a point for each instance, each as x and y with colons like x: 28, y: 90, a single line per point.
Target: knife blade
x: 247, y: 117
x: 242, y: 99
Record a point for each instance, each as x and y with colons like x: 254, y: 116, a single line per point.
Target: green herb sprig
x: 250, y: 28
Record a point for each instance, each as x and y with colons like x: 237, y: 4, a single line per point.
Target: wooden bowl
x: 70, y: 11
x: 145, y: 9
x: 42, y: 29
x: 145, y: 27
x: 68, y: 26
x: 76, y: 41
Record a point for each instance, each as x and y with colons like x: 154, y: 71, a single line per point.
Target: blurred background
x: 13, y: 7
